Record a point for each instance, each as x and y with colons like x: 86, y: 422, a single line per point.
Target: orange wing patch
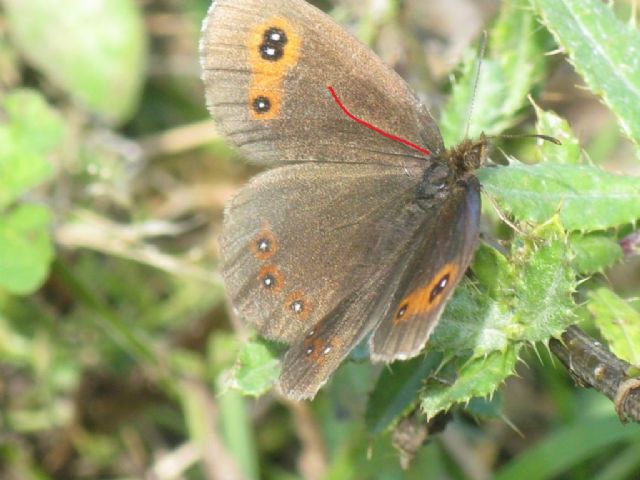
x: 274, y: 49
x: 426, y: 298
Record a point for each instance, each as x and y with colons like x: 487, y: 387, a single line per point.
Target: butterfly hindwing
x: 439, y: 262
x: 389, y: 246
x: 298, y: 239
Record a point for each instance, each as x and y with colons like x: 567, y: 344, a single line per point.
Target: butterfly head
x: 468, y: 156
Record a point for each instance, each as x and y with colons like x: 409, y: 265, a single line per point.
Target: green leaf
x: 396, y: 390
x: 34, y: 124
x: 475, y: 378
x: 586, y: 197
x: 26, y: 250
x: 603, y: 50
x: 95, y: 50
x: 594, y: 252
x: 619, y: 323
x: 514, y: 64
x: 551, y: 124
x: 543, y: 303
x: 31, y: 131
x: 257, y: 369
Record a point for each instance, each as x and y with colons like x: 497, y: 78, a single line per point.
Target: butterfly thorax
x: 452, y: 169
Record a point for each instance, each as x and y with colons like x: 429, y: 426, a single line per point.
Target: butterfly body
x: 364, y: 223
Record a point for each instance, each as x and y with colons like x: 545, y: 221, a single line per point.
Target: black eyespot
x: 269, y: 281
x: 271, y: 52
x: 438, y: 289
x: 261, y: 104
x: 275, y: 36
x: 402, y: 310
x: 272, y: 46
x: 263, y: 245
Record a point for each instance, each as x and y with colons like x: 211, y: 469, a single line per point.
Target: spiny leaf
x: 586, y: 197
x: 594, y: 252
x: 619, y: 323
x: 543, y: 291
x: 476, y: 378
x: 604, y: 50
x: 474, y: 322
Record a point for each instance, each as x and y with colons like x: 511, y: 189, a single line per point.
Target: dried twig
x: 591, y: 364
x: 313, y: 458
x: 91, y: 231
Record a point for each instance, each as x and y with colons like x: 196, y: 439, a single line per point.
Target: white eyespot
x: 311, y: 333
x: 275, y: 37
x: 270, y: 51
x: 326, y: 350
x: 309, y: 351
x: 443, y: 282
x: 297, y: 306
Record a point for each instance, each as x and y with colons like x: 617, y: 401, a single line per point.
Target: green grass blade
x: 121, y: 332
x: 568, y: 447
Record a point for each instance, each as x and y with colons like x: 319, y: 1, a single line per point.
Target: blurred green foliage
x: 118, y: 358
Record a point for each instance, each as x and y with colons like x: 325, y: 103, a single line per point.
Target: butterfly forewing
x: 267, y: 69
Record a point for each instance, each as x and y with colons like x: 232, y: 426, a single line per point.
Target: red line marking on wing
x: 373, y: 127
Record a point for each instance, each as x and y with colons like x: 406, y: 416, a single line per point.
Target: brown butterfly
x: 365, y: 224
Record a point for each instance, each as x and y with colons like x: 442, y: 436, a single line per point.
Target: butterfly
x: 364, y: 223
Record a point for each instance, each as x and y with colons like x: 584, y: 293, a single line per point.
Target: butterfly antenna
x: 481, y: 50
